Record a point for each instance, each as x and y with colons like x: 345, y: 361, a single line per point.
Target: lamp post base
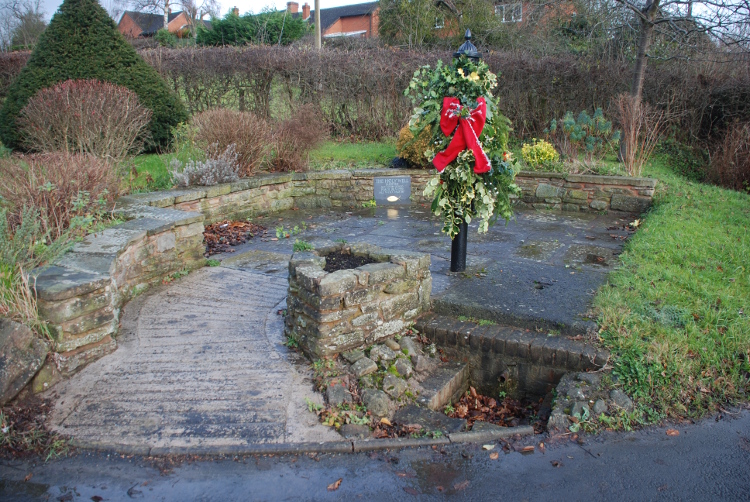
x: 458, y: 249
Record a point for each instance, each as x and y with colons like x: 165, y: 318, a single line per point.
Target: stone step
x: 430, y: 420
x: 444, y: 384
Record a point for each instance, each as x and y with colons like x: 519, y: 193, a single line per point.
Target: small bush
x: 247, y: 132
x: 217, y: 168
x: 685, y: 160
x: 730, y: 162
x: 85, y: 116
x: 165, y: 38
x: 411, y: 150
x: 583, y: 134
x: 295, y: 137
x: 63, y: 188
x: 539, y: 154
x: 641, y: 129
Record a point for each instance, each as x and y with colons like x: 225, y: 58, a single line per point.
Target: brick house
x: 142, y: 25
x: 359, y: 20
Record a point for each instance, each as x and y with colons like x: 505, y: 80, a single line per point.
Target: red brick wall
x: 128, y: 27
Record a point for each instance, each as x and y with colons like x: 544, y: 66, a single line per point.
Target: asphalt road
x: 707, y: 461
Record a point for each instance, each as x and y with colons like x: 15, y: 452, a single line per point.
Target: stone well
x: 329, y: 313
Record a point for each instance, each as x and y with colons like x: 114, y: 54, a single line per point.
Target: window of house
x: 510, y: 12
x: 439, y: 22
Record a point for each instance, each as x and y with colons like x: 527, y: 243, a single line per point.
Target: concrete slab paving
x: 194, y: 368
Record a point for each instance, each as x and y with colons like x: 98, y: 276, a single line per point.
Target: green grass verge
x: 152, y: 170
x: 347, y: 155
x: 676, y: 314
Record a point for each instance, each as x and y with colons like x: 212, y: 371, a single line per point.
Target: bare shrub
x: 219, y: 167
x: 61, y: 186
x: 295, y: 137
x: 247, y: 132
x: 730, y: 162
x: 641, y: 128
x: 85, y: 116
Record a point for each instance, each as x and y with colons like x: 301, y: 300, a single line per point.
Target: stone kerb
x: 329, y: 313
x: 584, y: 192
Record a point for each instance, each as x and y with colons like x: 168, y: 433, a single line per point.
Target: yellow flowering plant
x: 539, y: 154
x: 459, y: 193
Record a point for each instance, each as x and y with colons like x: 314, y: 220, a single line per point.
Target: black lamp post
x: 458, y: 244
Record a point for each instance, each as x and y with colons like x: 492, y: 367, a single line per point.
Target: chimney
x: 292, y: 7
x: 306, y: 11
x: 236, y: 12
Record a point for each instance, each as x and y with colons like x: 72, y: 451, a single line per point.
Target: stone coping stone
x: 111, y: 240
x: 150, y: 225
x: 99, y: 263
x: 541, y: 349
x: 594, y: 179
x: 174, y: 216
x: 56, y: 283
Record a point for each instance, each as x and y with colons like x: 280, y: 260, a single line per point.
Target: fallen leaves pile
x: 221, y: 236
x: 385, y: 429
x: 474, y: 407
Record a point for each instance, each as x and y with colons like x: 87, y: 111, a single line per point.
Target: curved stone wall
x: 82, y: 293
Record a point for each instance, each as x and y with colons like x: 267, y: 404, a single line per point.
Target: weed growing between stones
x: 301, y: 246
x: 175, y: 275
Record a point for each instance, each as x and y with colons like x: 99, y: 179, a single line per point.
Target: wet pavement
x: 538, y: 271
x: 707, y: 461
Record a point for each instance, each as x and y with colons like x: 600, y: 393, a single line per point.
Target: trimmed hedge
x: 82, y: 42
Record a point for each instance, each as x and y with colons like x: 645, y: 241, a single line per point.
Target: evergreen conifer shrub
x: 82, y: 42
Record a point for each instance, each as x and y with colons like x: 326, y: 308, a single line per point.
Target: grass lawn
x: 152, y: 173
x: 676, y: 314
x: 153, y: 169
x: 347, y: 155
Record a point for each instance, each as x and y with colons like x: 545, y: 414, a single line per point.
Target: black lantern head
x: 468, y: 49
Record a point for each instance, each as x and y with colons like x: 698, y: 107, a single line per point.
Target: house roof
x: 151, y: 23
x: 333, y: 14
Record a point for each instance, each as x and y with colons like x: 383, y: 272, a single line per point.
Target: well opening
x: 347, y: 297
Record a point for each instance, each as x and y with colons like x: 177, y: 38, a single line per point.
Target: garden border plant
x: 82, y: 42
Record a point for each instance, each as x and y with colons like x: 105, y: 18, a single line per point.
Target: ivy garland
x: 461, y: 195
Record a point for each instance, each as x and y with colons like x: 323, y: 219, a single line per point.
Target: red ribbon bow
x: 466, y: 135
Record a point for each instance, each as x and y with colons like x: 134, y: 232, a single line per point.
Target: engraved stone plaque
x: 391, y: 190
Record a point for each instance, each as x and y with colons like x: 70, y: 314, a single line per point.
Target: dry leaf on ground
x: 335, y: 485
x: 673, y: 432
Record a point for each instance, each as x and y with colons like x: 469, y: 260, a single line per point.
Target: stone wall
x: 584, y: 192
x: 82, y: 293
x: 269, y: 193
x: 518, y: 362
x: 329, y: 313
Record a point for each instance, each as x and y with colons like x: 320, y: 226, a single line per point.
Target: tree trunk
x: 166, y: 14
x: 647, y: 30
x: 644, y: 42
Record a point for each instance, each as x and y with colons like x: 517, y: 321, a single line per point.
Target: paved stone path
x: 195, y: 368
